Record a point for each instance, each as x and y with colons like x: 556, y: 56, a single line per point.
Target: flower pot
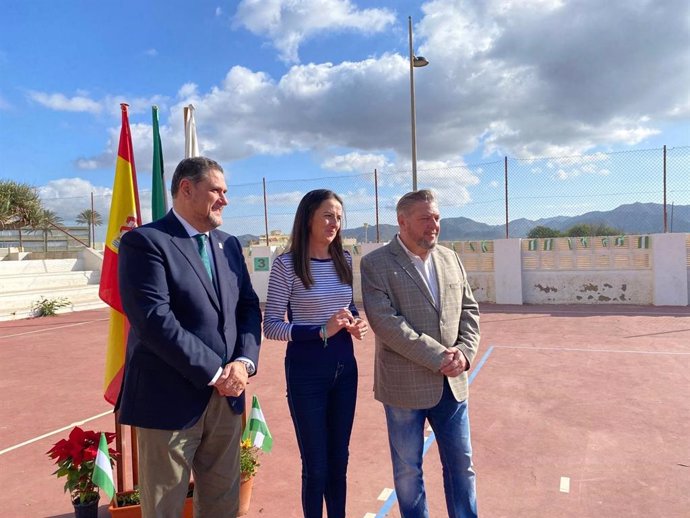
x: 87, y: 509
x: 128, y: 511
x: 246, y: 486
x: 134, y: 511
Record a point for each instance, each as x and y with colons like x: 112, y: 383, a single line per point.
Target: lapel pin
x: 220, y: 245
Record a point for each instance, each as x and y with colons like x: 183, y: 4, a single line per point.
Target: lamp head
x: 419, y: 61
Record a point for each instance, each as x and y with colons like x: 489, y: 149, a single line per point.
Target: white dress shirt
x: 426, y: 270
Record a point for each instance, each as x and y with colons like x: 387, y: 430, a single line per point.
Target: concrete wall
x: 670, y: 272
x: 644, y: 270
x: 650, y: 270
x: 600, y: 287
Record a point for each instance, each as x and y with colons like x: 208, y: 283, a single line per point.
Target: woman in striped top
x: 310, y: 305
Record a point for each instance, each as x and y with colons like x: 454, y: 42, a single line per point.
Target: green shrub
x: 48, y: 307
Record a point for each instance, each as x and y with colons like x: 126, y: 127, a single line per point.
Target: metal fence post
x: 376, y: 200
x: 505, y: 181
x: 266, y: 212
x: 665, y: 213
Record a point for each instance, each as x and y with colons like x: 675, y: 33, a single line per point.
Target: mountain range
x: 632, y: 218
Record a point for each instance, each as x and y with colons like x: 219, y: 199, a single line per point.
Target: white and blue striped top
x: 307, y: 309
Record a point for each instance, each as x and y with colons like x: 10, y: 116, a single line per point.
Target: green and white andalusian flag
x: 257, y: 429
x: 103, y: 470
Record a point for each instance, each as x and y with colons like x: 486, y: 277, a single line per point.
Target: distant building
x: 275, y: 238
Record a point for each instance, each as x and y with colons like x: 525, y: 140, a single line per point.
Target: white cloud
x: 288, y: 23
x: 70, y: 196
x: 566, y: 168
x: 492, y: 85
x: 89, y: 164
x: 109, y: 104
x: 152, y: 53
x: 187, y: 90
x: 356, y: 162
x: 60, y: 102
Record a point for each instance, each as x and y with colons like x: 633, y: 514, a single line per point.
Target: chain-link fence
x: 634, y: 192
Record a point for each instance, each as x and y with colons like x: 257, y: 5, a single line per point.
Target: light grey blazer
x: 411, y: 332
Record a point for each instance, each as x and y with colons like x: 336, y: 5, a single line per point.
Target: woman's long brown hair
x: 299, y: 239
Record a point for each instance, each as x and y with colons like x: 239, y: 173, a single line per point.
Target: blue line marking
x: 393, y: 498
x: 480, y: 365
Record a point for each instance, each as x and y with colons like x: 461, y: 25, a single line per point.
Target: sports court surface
x: 576, y: 411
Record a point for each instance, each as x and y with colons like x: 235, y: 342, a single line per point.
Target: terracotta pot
x: 134, y: 511
x: 128, y: 511
x: 246, y: 486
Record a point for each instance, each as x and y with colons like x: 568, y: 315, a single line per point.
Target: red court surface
x: 576, y: 411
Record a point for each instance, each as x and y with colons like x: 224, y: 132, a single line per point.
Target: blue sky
x: 318, y: 90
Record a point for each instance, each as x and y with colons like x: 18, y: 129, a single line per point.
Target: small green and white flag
x: 548, y: 244
x: 257, y: 429
x: 643, y: 242
x: 103, y: 469
x: 532, y: 245
x: 620, y: 241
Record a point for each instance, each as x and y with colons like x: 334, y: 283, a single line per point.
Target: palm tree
x: 20, y: 206
x: 93, y: 219
x: 46, y: 222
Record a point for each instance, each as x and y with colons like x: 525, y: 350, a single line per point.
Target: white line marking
x: 370, y: 515
x: 385, y: 493
x: 68, y: 427
x: 565, y: 485
x: 582, y: 350
x: 48, y: 330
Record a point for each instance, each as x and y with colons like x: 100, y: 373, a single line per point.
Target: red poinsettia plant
x: 75, y: 458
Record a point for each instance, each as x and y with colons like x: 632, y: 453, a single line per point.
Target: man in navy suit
x: 194, y: 340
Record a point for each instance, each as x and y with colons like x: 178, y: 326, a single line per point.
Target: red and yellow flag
x: 124, y: 216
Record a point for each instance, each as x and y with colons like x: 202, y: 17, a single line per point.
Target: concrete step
x: 33, y: 281
x: 17, y: 305
x: 38, y: 266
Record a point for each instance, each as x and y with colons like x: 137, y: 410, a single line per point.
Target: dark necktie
x: 201, y: 242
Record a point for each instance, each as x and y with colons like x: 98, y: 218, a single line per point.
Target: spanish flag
x: 124, y: 216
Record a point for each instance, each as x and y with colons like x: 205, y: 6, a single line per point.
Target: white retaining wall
x: 644, y: 270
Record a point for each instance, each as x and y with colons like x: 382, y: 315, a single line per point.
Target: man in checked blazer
x: 194, y: 339
x: 420, y: 305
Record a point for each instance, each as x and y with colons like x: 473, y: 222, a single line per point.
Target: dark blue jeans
x: 322, y: 392
x: 450, y: 422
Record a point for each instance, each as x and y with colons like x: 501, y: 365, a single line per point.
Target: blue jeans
x: 450, y: 422
x: 322, y: 394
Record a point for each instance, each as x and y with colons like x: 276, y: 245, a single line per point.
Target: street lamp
x: 415, y: 61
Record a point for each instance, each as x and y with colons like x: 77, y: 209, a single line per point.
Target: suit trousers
x: 210, y: 449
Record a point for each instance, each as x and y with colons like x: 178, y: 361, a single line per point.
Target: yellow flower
x: 249, y: 459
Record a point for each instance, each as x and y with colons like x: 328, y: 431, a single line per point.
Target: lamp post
x: 415, y: 61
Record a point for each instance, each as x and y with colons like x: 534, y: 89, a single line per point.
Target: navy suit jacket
x: 182, y: 330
